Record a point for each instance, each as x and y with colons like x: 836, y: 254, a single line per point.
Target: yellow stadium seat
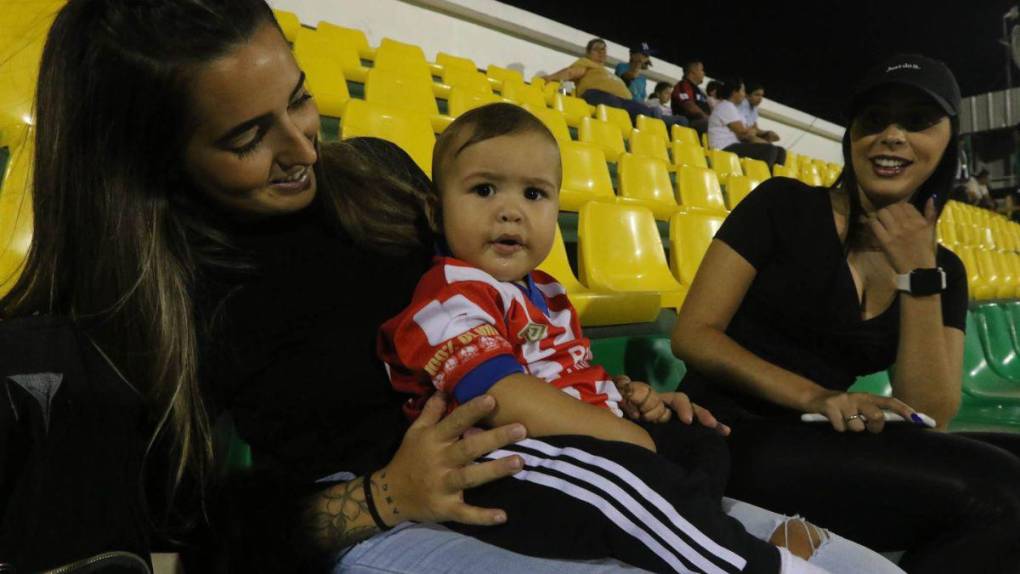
x: 809, y: 174
x: 549, y: 90
x: 793, y: 161
x: 448, y: 61
x: 552, y: 120
x: 1012, y: 261
x: 1007, y: 286
x: 647, y: 143
x: 603, y: 135
x: 966, y: 255
x: 596, y: 308
x: 15, y: 214
x: 289, y: 23
x: 738, y: 187
x: 462, y: 100
x: 832, y: 173
x: 501, y: 75
x: 946, y: 232
x: 395, y: 89
x: 585, y: 176
x: 652, y: 125
x: 724, y: 164
x: 645, y: 181
x: 619, y: 250
x: 457, y: 77
x: 989, y: 278
x: 685, y: 153
x: 686, y: 135
x: 966, y: 235
x: 755, y: 168
x: 779, y: 170
x: 574, y: 109
x: 704, y: 141
x: 338, y: 41
x: 615, y: 116
x: 401, y: 57
x: 699, y: 188
x: 349, y: 37
x: 690, y: 233
x: 523, y: 94
x: 324, y: 74
x: 409, y: 130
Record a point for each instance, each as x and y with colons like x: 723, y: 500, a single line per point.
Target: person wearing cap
x: 630, y: 71
x: 597, y: 85
x: 803, y: 290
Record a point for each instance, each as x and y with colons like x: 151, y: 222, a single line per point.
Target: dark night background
x: 807, y: 55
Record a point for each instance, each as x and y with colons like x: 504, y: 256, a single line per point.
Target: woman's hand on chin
x: 905, y: 235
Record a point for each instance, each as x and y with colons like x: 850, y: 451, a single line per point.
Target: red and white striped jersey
x: 466, y: 330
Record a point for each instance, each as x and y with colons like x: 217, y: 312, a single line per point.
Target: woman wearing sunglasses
x: 803, y: 290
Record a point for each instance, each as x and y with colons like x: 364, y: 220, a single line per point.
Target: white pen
x: 890, y: 416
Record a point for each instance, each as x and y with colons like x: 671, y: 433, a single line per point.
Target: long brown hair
x: 121, y: 238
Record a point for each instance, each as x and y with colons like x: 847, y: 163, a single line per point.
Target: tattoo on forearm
x: 340, y: 518
x: 385, y: 487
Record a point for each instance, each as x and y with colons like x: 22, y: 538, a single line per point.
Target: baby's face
x: 500, y: 201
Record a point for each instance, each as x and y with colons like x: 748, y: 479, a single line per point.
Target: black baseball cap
x: 643, y: 48
x: 930, y: 76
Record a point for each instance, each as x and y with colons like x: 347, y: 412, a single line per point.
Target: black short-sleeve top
x: 802, y: 310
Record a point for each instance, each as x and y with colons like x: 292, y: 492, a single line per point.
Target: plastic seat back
x: 645, y: 180
x: 699, y: 188
x: 652, y: 125
x: 615, y: 116
x: 397, y: 90
x: 688, y: 154
x: 737, y: 189
x: 620, y: 250
x: 552, y: 120
x: 409, y: 130
x: 585, y: 176
x: 724, y: 163
x: 647, y: 143
x: 690, y: 233
x: 603, y: 135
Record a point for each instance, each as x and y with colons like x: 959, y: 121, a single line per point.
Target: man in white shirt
x: 749, y: 108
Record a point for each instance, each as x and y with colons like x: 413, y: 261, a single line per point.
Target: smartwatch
x: 922, y: 281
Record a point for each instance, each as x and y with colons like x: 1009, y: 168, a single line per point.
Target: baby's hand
x: 640, y: 401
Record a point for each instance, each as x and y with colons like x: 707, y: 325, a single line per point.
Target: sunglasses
x: 873, y: 120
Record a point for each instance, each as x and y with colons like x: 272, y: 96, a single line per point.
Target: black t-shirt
x: 802, y: 311
x: 291, y: 347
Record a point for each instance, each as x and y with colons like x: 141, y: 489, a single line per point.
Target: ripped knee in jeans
x: 800, y: 537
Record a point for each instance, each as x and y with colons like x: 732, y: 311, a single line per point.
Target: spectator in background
x: 977, y: 190
x: 727, y: 130
x: 596, y: 85
x: 660, y: 97
x: 630, y: 72
x: 749, y: 108
x: 688, y: 100
x: 711, y: 90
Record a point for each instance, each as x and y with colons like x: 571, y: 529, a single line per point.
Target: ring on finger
x: 856, y: 417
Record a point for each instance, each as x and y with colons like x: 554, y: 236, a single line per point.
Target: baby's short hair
x: 485, y: 122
